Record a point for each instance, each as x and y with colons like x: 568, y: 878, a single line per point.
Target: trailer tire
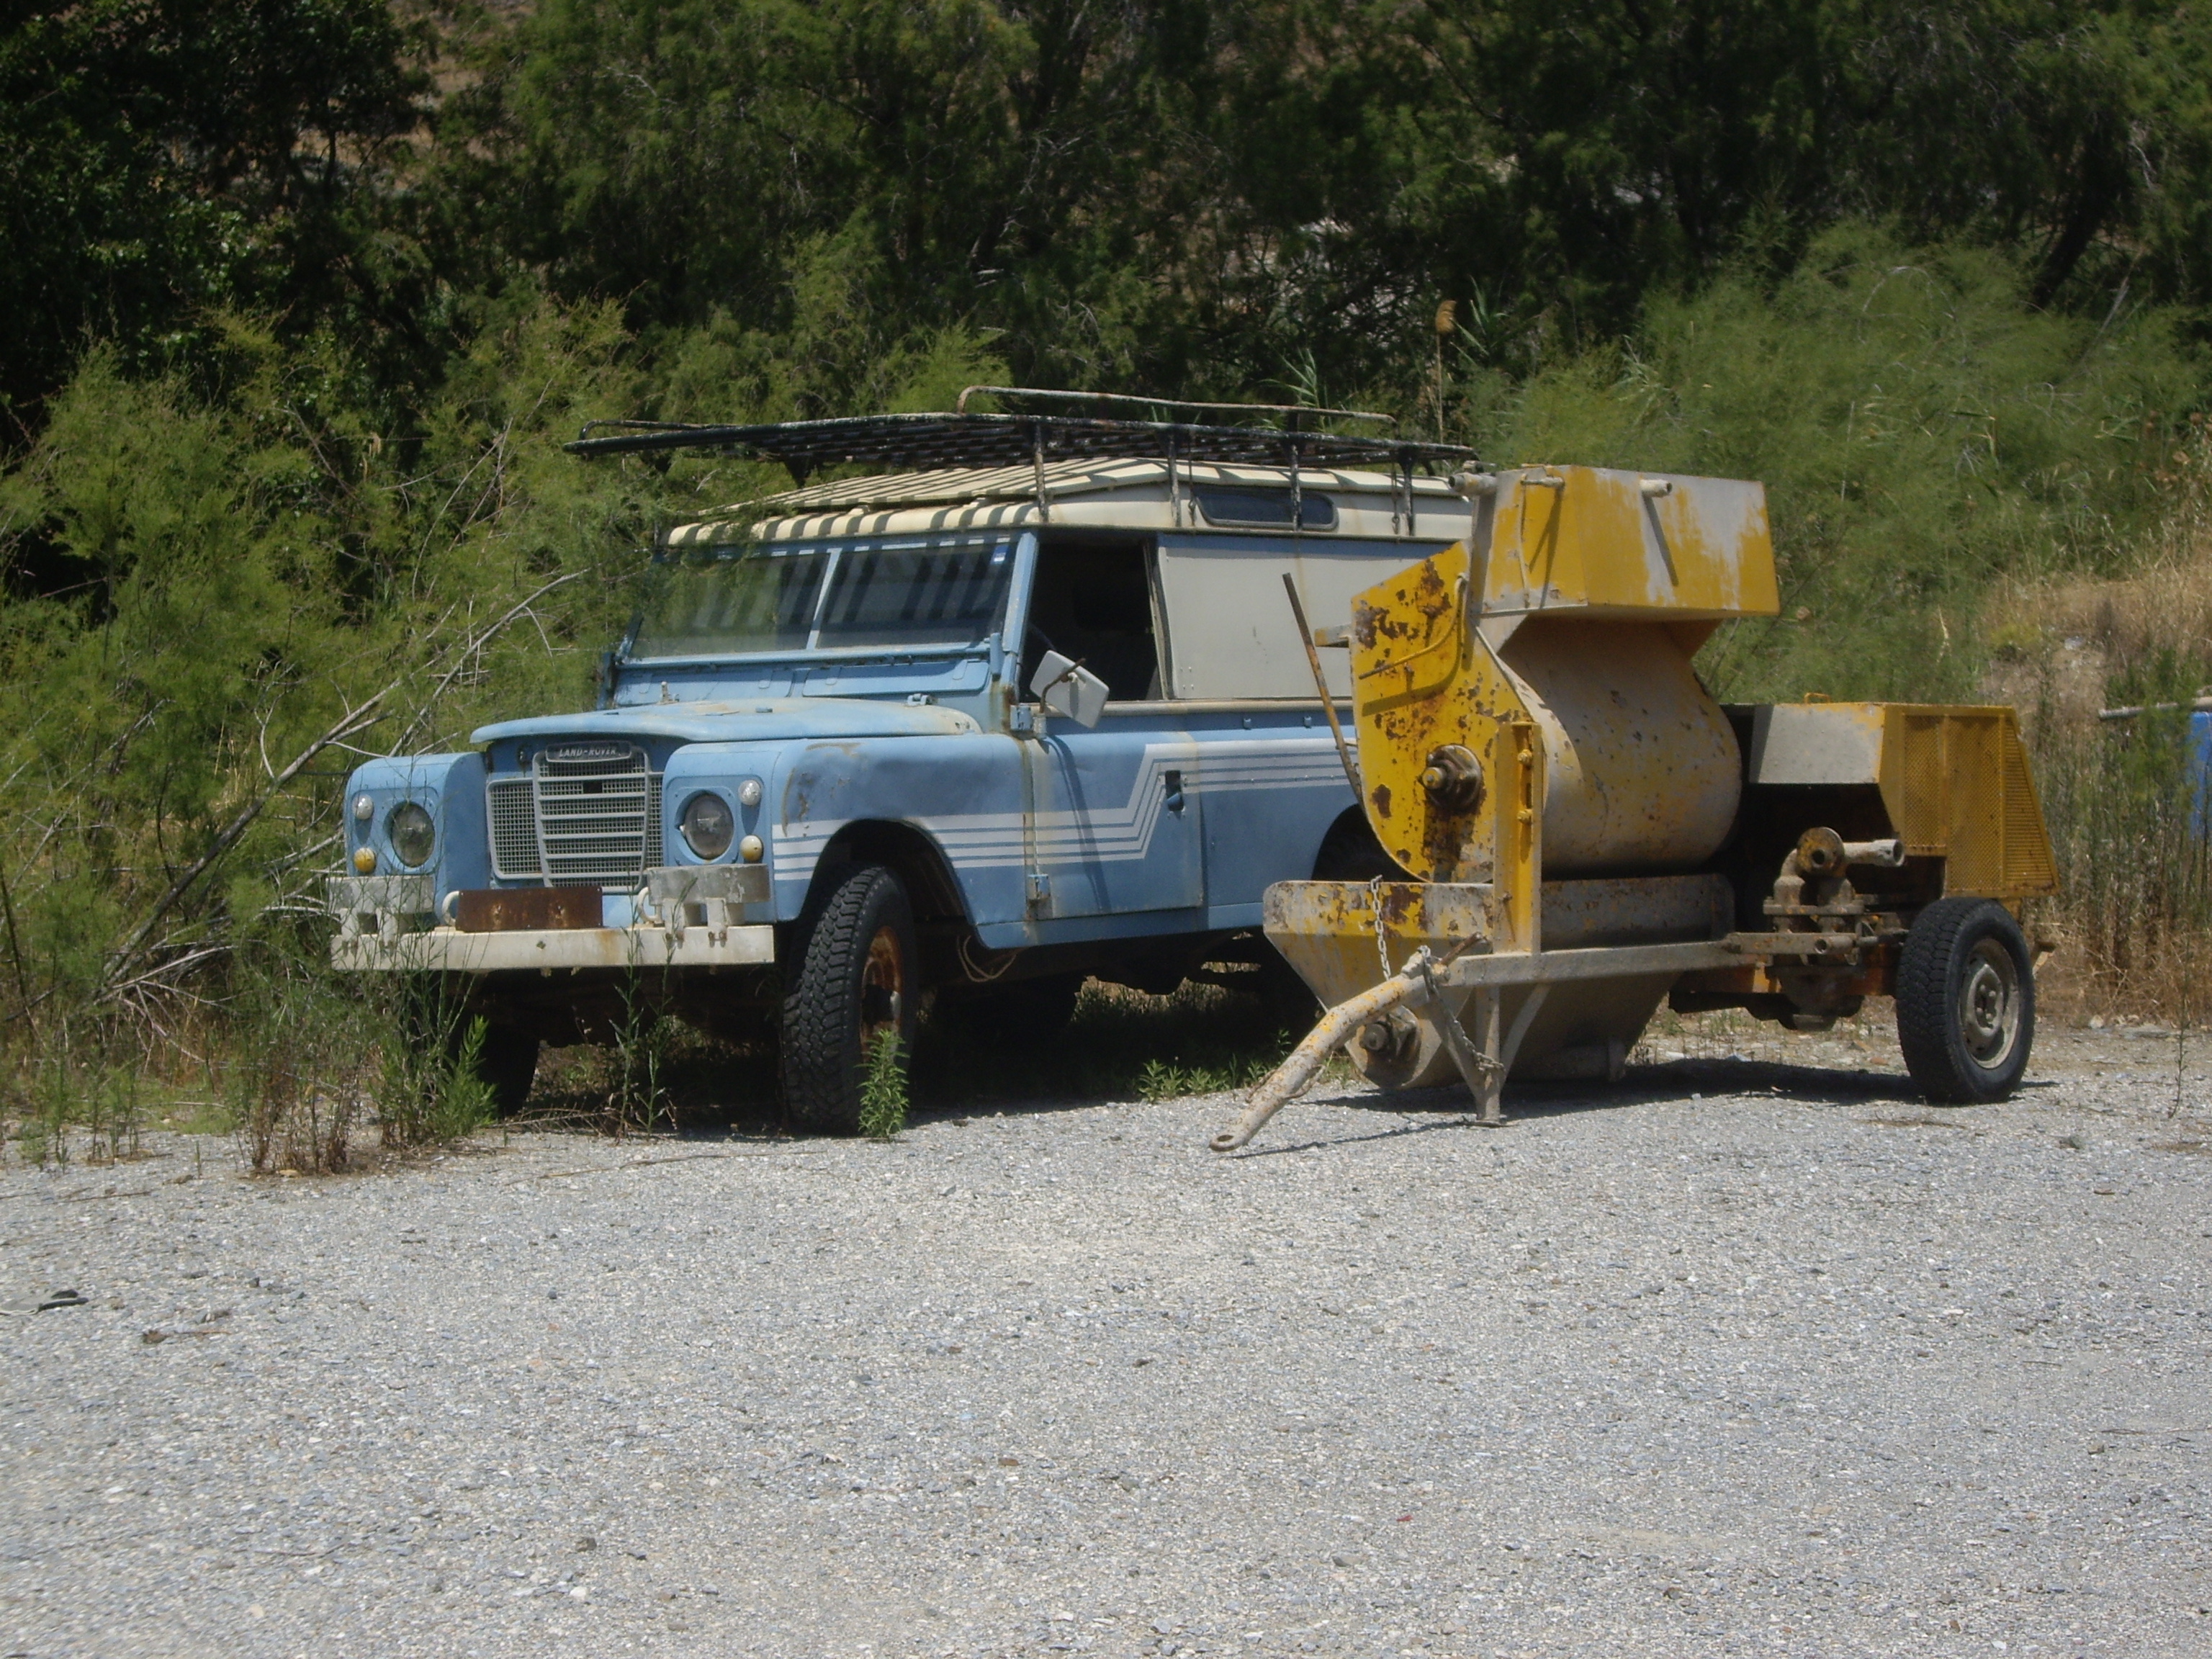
x: 857, y: 978
x: 1966, y: 1002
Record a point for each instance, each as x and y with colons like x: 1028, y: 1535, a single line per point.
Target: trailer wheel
x: 856, y: 980
x: 1966, y: 1002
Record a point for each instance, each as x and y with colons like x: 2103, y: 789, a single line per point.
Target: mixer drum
x: 1641, y: 768
x: 1643, y: 776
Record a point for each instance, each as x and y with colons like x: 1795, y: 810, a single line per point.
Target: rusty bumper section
x: 712, y: 916
x: 450, y: 950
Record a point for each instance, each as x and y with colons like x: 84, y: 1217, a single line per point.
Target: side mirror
x: 1070, y: 688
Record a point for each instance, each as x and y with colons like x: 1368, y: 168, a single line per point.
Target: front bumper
x: 689, y: 917
x: 448, y: 950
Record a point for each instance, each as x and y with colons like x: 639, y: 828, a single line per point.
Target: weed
x: 1160, y: 1081
x: 429, y: 1092
x: 50, y: 1100
x: 465, y: 1103
x: 296, y: 1082
x: 113, y: 1112
x: 639, y: 1098
x: 883, y: 1089
x: 62, y: 1093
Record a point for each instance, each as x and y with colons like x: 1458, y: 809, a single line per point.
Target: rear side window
x: 1265, y: 509
x: 1229, y: 627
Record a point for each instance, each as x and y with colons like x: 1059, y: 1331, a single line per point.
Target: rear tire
x: 857, y: 978
x: 1966, y: 1002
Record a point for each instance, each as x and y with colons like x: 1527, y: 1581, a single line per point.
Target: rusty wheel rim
x: 883, y: 989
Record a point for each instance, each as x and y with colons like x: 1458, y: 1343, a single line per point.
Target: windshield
x: 768, y: 598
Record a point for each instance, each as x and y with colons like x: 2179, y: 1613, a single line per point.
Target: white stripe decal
x: 984, y: 840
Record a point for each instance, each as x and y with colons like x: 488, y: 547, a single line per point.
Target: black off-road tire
x: 835, y: 1004
x: 1349, y: 852
x: 508, y: 1063
x: 1966, y: 1002
x: 436, y: 1017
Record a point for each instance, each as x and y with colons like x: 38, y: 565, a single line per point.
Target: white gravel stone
x: 1738, y: 1357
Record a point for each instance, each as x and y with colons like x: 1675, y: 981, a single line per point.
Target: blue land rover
x: 1016, y: 700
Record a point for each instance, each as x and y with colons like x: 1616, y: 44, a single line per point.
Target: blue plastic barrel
x: 2199, y: 752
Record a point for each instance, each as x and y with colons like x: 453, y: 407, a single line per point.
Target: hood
x: 742, y: 719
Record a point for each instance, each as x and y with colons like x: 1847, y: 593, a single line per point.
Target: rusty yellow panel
x: 1449, y: 760
x: 1956, y: 784
x: 1345, y: 937
x: 1623, y: 544
x: 2029, y: 868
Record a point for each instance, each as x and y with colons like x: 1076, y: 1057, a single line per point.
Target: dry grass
x: 2061, y: 643
x: 2134, y: 917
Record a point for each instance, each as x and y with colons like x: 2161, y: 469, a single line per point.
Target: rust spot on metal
x: 1363, y: 624
x: 1381, y: 797
x: 499, y: 909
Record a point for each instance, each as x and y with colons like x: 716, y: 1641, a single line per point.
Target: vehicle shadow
x: 1122, y: 1046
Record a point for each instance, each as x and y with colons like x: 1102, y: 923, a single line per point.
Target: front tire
x: 1966, y: 1002
x: 857, y: 979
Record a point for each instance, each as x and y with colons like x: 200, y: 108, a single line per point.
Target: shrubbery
x: 306, y: 293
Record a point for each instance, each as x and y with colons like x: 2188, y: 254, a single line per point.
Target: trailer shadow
x: 1732, y: 1078
x: 1124, y: 1046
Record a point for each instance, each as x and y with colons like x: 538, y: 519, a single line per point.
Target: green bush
x: 1923, y: 434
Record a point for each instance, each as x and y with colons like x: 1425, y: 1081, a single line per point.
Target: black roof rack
x: 922, y: 442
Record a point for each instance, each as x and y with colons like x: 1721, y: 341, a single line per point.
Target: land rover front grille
x: 585, y: 815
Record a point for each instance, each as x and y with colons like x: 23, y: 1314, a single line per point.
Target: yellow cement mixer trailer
x: 1572, y: 830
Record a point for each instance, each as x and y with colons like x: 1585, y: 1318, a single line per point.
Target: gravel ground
x: 1743, y: 1355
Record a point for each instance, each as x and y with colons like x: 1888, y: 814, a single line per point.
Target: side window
x: 1092, y: 600
x: 1229, y: 623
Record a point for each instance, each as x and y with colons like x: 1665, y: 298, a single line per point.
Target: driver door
x: 1111, y: 814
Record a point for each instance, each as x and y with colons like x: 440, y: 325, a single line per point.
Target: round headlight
x: 412, y: 834
x: 707, y: 825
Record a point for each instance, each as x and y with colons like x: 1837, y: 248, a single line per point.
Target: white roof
x: 1122, y: 495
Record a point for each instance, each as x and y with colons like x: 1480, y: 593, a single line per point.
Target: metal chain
x: 1381, y: 942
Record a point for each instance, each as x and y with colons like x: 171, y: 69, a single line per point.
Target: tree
x: 160, y: 158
